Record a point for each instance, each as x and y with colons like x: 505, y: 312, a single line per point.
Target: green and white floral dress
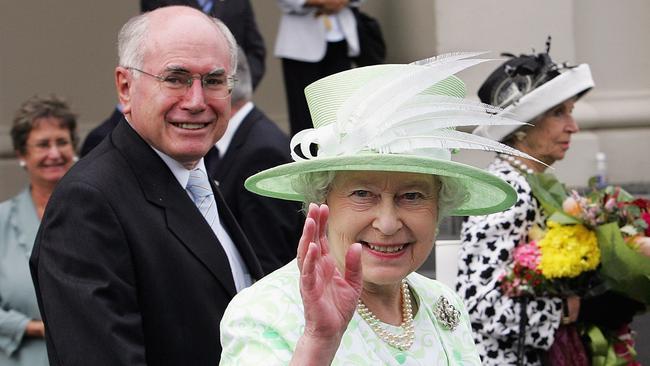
x: 263, y: 323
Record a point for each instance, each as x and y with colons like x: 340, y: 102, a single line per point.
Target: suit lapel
x: 190, y: 227
x: 227, y: 162
x: 212, y: 162
x: 184, y: 220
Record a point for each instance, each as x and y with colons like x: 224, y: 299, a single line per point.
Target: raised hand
x: 329, y: 296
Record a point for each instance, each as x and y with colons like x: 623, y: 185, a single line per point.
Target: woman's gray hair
x: 41, y: 107
x: 452, y: 194
x: 132, y: 37
x: 315, y: 186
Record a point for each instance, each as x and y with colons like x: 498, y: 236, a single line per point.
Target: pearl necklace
x: 518, y: 164
x: 400, y: 341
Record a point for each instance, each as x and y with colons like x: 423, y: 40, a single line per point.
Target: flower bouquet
x: 593, y: 242
x: 559, y: 261
x: 621, y: 223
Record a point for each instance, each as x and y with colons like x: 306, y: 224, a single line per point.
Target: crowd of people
x: 194, y: 231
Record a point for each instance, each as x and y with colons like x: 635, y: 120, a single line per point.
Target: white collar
x: 233, y: 124
x: 181, y: 173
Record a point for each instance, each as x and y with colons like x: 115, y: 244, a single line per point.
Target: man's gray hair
x: 243, y: 90
x: 132, y: 38
x: 315, y: 186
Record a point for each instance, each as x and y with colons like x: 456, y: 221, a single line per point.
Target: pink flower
x: 610, y: 204
x: 623, y: 345
x: 527, y: 255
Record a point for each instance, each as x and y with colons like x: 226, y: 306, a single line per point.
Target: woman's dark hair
x: 41, y: 107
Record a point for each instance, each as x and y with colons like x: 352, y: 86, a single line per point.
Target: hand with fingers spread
x: 329, y: 296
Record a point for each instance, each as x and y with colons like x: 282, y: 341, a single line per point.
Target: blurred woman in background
x: 44, y: 138
x: 542, y: 93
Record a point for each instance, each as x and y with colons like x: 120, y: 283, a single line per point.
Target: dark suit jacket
x: 100, y: 132
x: 126, y: 269
x: 273, y: 226
x: 238, y: 15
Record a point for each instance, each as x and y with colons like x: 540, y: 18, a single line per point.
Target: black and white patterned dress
x: 486, y: 252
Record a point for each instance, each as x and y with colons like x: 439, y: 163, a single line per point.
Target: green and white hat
x: 396, y: 118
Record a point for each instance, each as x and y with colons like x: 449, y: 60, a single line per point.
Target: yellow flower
x: 536, y: 233
x: 568, y: 250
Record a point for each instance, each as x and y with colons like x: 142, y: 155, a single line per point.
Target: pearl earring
x: 75, y: 158
x: 22, y: 163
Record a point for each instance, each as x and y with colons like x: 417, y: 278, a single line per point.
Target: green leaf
x: 625, y: 269
x: 624, y: 196
x: 562, y: 218
x: 548, y: 190
x: 640, y: 224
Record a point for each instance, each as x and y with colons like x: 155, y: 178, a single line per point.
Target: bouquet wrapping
x: 622, y: 267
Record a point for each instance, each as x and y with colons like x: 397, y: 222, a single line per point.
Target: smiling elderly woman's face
x: 393, y: 215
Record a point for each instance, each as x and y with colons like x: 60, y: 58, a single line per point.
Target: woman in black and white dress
x: 543, y: 94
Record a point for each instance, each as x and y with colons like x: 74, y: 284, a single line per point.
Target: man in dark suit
x: 127, y: 269
x: 252, y: 143
x: 238, y: 15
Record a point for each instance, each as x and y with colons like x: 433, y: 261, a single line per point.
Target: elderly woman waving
x: 377, y: 175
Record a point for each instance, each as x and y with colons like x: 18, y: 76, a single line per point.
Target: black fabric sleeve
x: 81, y: 260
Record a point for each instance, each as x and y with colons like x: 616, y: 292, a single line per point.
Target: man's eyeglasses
x: 176, y: 83
x: 45, y: 145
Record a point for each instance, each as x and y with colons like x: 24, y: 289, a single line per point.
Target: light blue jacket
x: 18, y: 226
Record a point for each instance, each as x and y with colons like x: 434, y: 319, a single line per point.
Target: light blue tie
x: 199, y: 187
x: 206, y: 5
x: 201, y: 191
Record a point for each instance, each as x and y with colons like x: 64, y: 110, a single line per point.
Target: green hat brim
x: 487, y: 193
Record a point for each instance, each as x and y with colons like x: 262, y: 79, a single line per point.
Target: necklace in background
x: 518, y: 164
x: 401, y: 341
